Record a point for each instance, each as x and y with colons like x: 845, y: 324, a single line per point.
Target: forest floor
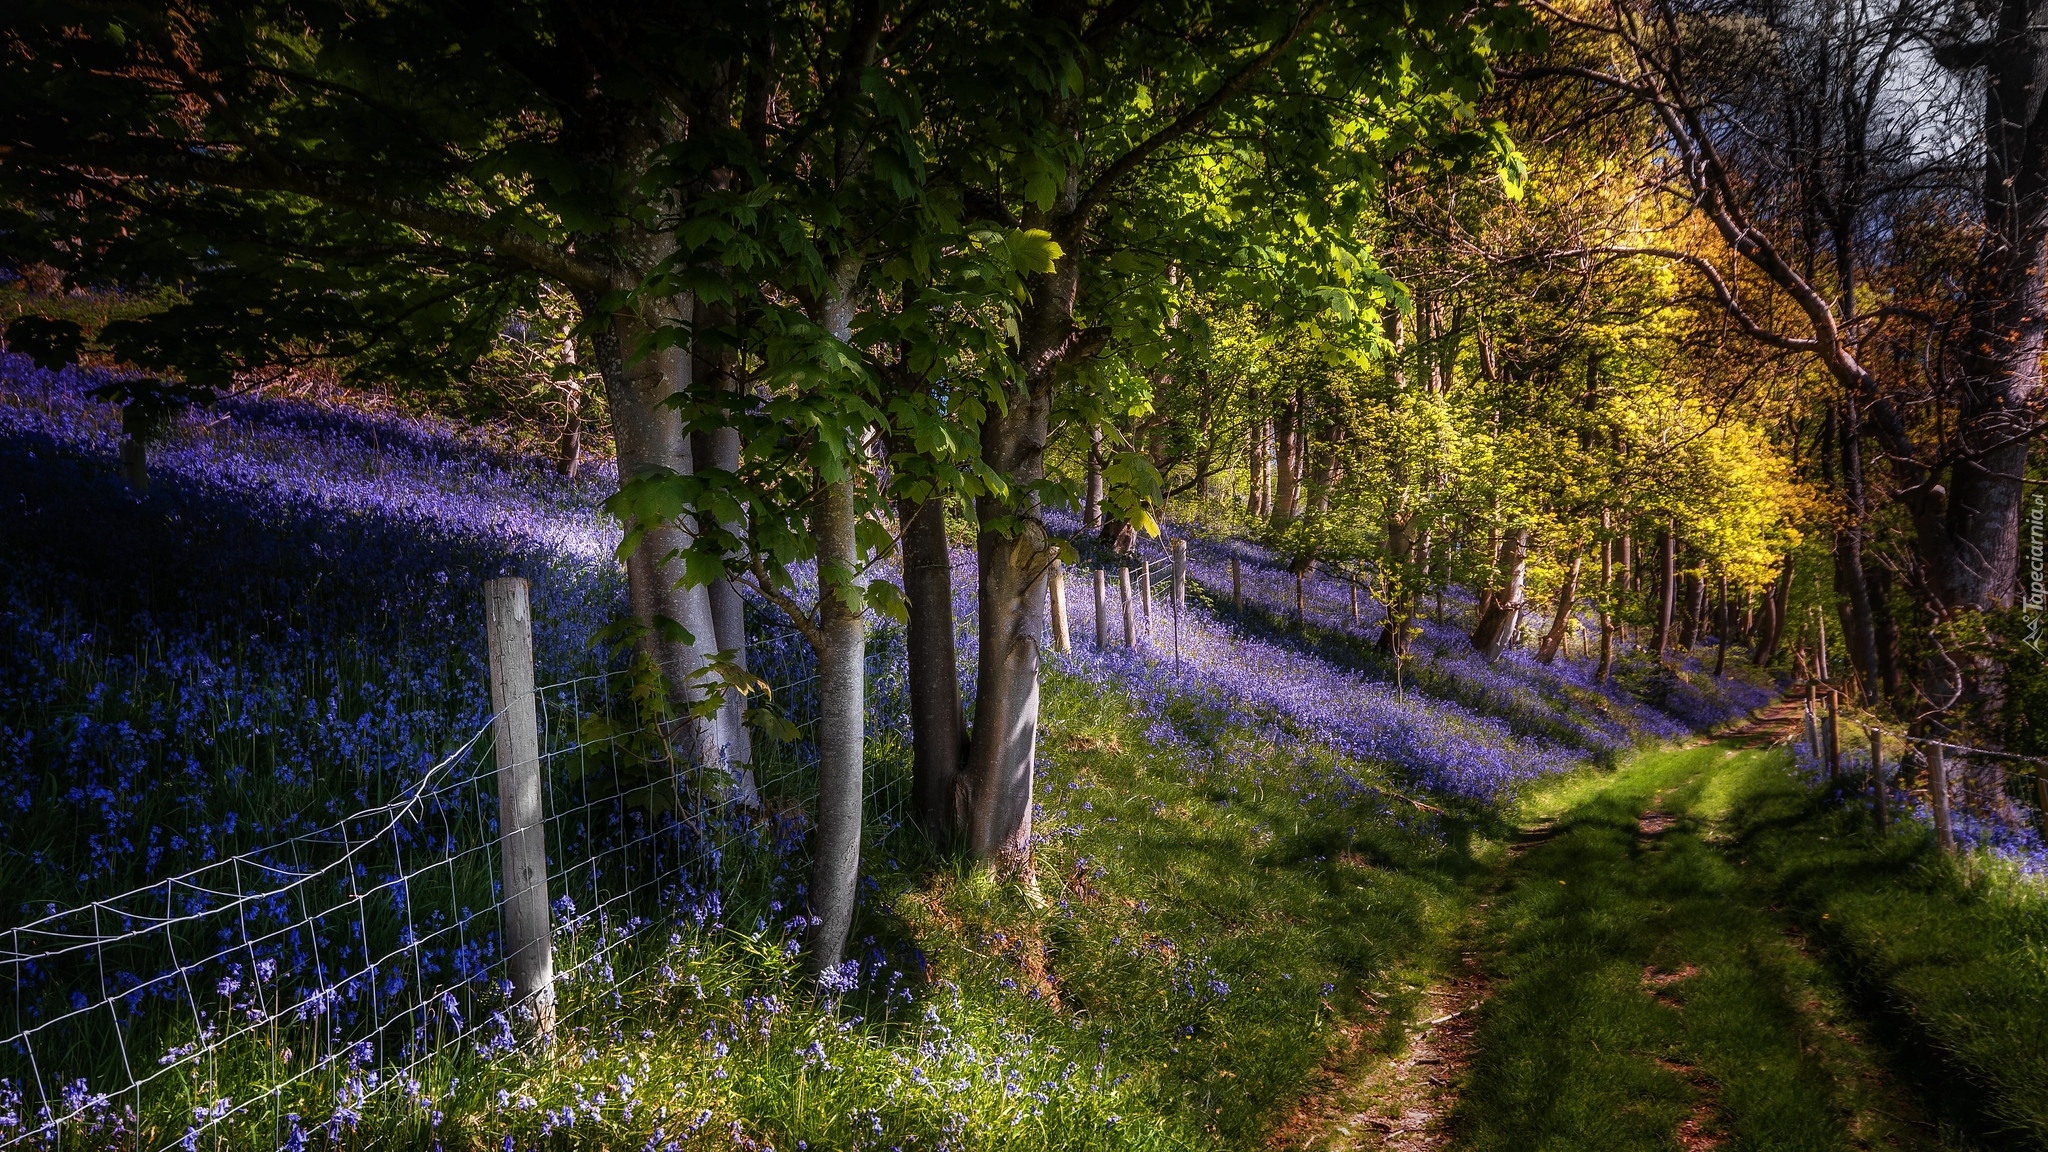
x: 1630, y: 981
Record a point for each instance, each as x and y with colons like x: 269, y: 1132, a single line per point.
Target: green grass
x: 1951, y: 955
x: 1648, y: 994
x: 1197, y: 949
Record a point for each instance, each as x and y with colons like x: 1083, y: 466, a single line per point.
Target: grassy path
x: 1642, y: 992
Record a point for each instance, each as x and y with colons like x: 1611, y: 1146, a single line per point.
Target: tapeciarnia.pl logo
x: 2036, y: 598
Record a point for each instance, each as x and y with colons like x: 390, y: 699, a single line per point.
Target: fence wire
x: 299, y: 980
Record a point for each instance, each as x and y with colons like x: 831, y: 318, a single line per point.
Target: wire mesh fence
x: 269, y: 993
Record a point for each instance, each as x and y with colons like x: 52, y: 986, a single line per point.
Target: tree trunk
x: 842, y: 676
x: 569, y: 448
x: 1777, y: 602
x: 2008, y: 321
x: 678, y: 634
x: 938, y: 720
x: 1255, y: 473
x: 1879, y: 580
x: 1606, y: 667
x: 1091, y: 496
x: 1401, y: 541
x: 1324, y: 475
x: 719, y: 449
x: 1860, y: 629
x: 1015, y: 555
x: 1721, y: 630
x: 1667, y: 591
x: 842, y: 699
x: 1689, y: 611
x: 1497, y: 626
x: 1560, y: 623
x: 1287, y: 483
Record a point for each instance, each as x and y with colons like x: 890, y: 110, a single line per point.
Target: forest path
x: 1629, y: 985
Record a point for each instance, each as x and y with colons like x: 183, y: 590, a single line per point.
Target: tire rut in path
x: 1402, y: 1103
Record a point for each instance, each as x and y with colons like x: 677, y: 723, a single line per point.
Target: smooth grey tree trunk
x: 719, y: 449
x: 1091, y: 497
x: 1497, y: 626
x: 650, y: 439
x: 842, y: 681
x: 842, y: 697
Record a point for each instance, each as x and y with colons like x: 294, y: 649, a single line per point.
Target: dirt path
x: 1769, y: 726
x: 1403, y: 1103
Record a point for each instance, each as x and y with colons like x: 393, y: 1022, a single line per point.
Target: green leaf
x: 886, y: 599
x: 672, y: 632
x: 1033, y: 250
x: 1040, y: 187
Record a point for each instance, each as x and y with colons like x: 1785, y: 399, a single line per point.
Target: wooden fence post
x: 1937, y: 792
x: 522, y: 828
x: 1236, y: 589
x: 1101, y: 610
x: 1180, y: 575
x: 1123, y: 579
x: 1061, y: 641
x: 1354, y: 599
x: 1877, y: 779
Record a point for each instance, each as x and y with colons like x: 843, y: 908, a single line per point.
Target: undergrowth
x: 1191, y: 955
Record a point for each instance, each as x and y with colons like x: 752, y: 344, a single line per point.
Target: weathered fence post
x: 1123, y: 578
x: 1061, y: 641
x: 1937, y: 793
x: 1180, y: 575
x: 1236, y: 589
x: 1101, y: 610
x: 1354, y: 599
x: 1877, y: 779
x: 522, y: 831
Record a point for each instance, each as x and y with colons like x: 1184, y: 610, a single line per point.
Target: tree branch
x: 1193, y: 118
x: 176, y: 164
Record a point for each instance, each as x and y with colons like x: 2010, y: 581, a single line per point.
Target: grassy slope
x: 1657, y: 988
x: 1196, y: 950
x: 1952, y: 954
